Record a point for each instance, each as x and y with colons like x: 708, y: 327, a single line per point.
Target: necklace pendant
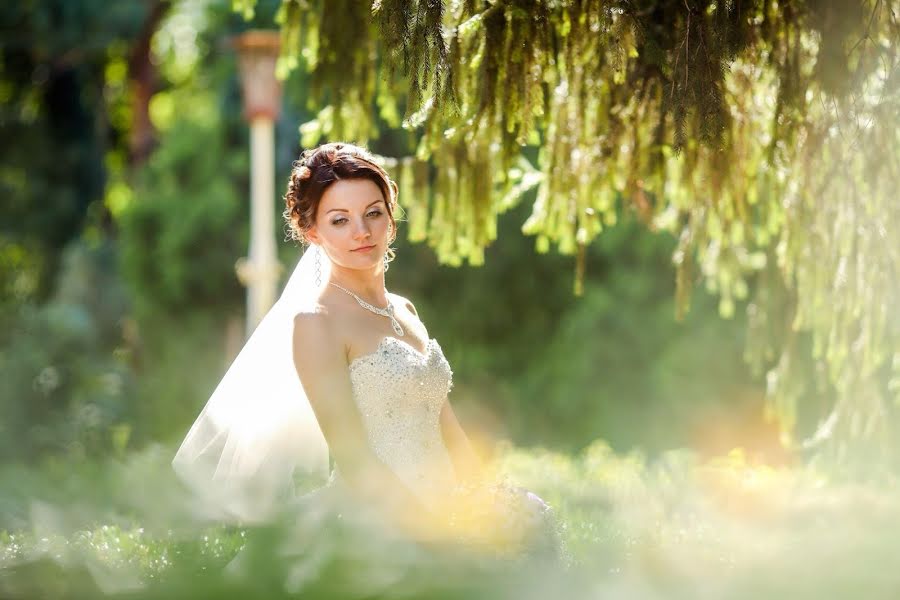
x: 384, y: 312
x: 397, y: 328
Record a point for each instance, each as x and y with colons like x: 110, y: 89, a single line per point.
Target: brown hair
x: 318, y: 168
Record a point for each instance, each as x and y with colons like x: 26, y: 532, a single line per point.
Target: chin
x: 365, y: 260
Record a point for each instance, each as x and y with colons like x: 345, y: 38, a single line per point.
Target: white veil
x: 240, y: 455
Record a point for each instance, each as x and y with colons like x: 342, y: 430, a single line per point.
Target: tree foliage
x: 62, y: 387
x: 180, y: 238
x: 64, y: 119
x: 763, y: 134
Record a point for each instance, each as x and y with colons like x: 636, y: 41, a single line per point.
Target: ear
x: 312, y: 235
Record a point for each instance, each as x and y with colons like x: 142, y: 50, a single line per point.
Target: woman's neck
x: 368, y: 285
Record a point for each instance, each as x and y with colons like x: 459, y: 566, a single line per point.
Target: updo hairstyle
x: 318, y: 168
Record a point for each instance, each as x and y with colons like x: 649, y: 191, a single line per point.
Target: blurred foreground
x: 674, y: 527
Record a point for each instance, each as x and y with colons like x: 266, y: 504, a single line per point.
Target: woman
x: 375, y: 382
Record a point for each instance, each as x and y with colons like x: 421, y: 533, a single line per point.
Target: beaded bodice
x: 400, y: 392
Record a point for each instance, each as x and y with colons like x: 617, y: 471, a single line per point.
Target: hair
x: 317, y: 169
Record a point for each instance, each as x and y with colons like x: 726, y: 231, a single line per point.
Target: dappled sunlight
x: 747, y: 490
x: 636, y: 525
x: 712, y: 523
x: 658, y: 243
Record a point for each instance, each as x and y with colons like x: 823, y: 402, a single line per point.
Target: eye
x: 339, y: 221
x: 374, y: 213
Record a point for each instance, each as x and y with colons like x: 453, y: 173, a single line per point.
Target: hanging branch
x: 764, y: 135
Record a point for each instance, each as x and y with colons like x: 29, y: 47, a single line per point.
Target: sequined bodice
x: 400, y: 392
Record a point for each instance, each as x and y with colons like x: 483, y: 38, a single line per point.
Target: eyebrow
x: 345, y: 210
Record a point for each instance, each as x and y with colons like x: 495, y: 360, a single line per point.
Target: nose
x: 361, y: 231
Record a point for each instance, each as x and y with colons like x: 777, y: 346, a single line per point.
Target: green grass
x: 672, y: 527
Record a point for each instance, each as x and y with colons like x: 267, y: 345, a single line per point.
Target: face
x: 352, y: 224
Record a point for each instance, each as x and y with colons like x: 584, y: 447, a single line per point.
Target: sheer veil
x: 258, y: 427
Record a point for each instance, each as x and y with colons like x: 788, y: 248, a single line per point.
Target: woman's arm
x: 468, y: 465
x: 322, y: 366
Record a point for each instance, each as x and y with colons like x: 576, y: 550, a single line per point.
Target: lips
x: 362, y: 248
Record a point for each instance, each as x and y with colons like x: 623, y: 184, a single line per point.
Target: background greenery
x: 92, y: 359
x: 123, y: 172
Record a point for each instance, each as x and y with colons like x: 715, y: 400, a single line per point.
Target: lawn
x: 674, y: 526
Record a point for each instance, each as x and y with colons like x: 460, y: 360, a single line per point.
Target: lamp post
x: 257, y: 53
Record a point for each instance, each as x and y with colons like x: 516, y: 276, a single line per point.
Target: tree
x: 764, y: 135
x: 64, y: 119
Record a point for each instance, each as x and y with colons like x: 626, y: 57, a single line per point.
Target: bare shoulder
x: 315, y: 333
x: 316, y: 317
x: 404, y: 302
x: 312, y: 321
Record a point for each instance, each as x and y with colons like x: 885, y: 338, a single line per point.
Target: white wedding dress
x: 257, y: 432
x: 399, y: 393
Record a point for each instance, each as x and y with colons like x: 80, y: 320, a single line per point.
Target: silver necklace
x: 384, y: 312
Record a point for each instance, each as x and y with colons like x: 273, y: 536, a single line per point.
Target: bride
x: 342, y: 367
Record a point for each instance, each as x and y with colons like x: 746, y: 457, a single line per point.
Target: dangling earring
x: 318, y: 267
x: 389, y: 255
